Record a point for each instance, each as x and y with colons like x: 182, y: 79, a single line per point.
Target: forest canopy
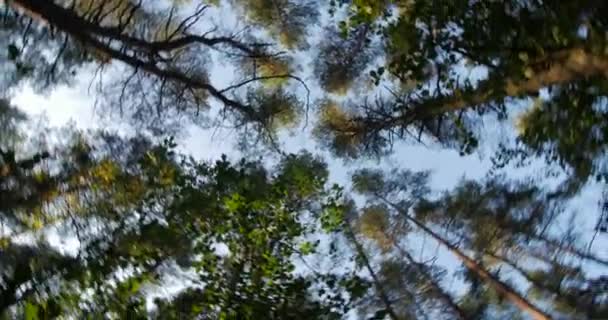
x: 105, y: 224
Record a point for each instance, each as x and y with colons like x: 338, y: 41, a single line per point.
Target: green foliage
x: 277, y: 108
x: 135, y: 214
x: 503, y: 224
x: 302, y: 175
x: 141, y: 213
x: 342, y: 59
x: 333, y: 217
x: 285, y: 20
x: 514, y: 51
x: 569, y: 129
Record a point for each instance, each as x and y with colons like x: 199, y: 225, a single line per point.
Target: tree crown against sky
x: 237, y: 233
x: 544, y: 53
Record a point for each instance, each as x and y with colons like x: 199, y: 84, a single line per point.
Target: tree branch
x: 565, y: 66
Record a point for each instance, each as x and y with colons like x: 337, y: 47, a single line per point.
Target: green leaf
x: 332, y: 218
x: 307, y: 247
x: 31, y: 311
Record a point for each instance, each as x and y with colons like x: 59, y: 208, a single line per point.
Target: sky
x: 75, y: 106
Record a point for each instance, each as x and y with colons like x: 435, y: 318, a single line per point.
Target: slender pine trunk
x: 363, y: 256
x: 501, y: 287
x: 445, y: 297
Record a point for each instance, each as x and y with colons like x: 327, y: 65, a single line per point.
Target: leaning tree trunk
x: 559, y: 295
x: 566, y: 65
x: 501, y: 287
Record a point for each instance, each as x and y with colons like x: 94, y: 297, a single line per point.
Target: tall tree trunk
x: 566, y: 65
x: 501, y: 287
x: 568, y: 300
x: 363, y: 256
x: 445, y: 297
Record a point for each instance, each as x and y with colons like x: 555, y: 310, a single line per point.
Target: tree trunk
x: 457, y: 312
x: 568, y: 300
x: 501, y: 287
x: 566, y: 66
x: 361, y: 253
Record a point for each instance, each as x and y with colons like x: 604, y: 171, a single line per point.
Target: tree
x: 22, y: 58
x: 508, y: 224
x: 379, y: 284
x: 136, y: 214
x: 133, y: 213
x: 285, y: 20
x: 490, y: 227
x: 413, y: 286
x: 80, y: 195
x: 449, y: 64
x: 408, y: 190
x: 167, y: 60
x: 10, y: 120
x: 342, y: 58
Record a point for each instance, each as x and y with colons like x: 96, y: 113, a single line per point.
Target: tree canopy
x: 107, y: 224
x: 448, y: 66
